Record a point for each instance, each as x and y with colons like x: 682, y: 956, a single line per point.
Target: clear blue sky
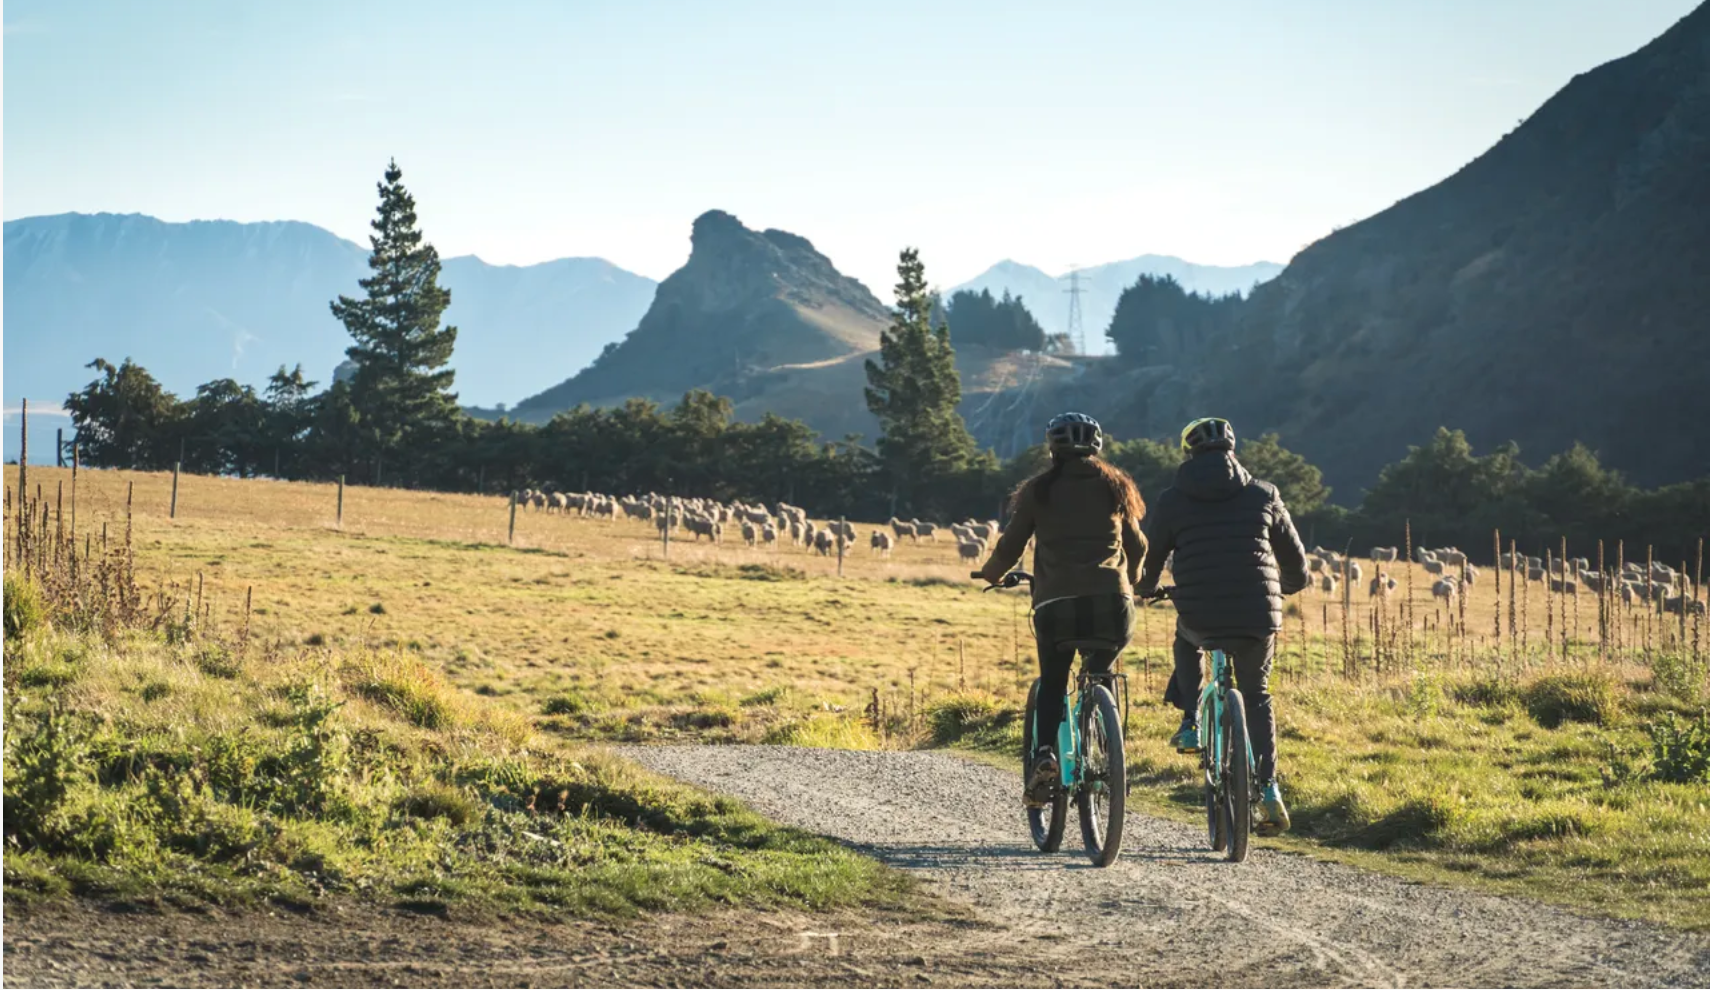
x: 1224, y: 132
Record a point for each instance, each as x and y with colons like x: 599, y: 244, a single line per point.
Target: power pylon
x: 1077, y: 332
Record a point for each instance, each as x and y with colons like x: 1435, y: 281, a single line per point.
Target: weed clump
x: 1680, y: 748
x: 25, y: 606
x: 1590, y: 697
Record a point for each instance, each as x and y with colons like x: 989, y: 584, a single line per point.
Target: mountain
x: 1555, y: 289
x: 212, y: 299
x: 1047, y: 297
x: 747, y: 304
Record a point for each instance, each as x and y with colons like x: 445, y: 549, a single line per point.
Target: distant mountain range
x: 197, y: 301
x: 1047, y: 297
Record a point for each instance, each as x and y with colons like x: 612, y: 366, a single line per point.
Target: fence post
x: 76, y: 455
x: 340, y: 501
x: 59, y: 447
x: 670, y: 510
x: 511, y: 538
x: 172, y: 512
x: 842, y: 528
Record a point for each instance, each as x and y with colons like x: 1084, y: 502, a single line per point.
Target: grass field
x: 1533, y: 760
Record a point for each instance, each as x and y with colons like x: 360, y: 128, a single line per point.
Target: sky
x: 1056, y: 134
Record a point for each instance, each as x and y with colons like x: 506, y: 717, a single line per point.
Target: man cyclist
x: 1236, y: 555
x: 1084, y: 515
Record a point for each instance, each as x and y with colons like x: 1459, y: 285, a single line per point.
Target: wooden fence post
x: 59, y: 447
x: 172, y: 512
x: 512, y: 537
x: 670, y: 509
x: 341, y: 501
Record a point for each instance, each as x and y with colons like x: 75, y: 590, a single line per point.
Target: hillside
x: 745, y: 302
x: 1100, y: 285
x: 210, y: 299
x: 1554, y: 289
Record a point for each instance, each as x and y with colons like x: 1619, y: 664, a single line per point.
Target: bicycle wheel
x: 1213, y: 744
x: 1046, y: 824
x: 1104, y: 777
x: 1237, y: 778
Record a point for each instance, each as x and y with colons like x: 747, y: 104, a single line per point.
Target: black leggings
x: 1251, y: 658
x: 1094, y: 617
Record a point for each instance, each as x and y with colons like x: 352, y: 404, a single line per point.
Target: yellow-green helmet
x: 1208, y: 433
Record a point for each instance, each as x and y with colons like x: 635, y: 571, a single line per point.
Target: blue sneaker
x: 1275, y: 819
x: 1186, y: 739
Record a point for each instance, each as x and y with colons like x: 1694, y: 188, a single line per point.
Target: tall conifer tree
x: 913, y: 390
x: 402, y: 387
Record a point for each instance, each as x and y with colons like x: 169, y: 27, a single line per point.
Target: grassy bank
x: 179, y: 765
x: 1583, y: 788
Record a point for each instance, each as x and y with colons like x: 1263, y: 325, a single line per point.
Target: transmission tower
x: 1077, y: 332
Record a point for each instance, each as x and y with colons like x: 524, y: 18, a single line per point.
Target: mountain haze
x: 1048, y: 300
x: 213, y: 299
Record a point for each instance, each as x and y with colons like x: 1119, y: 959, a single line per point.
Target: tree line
x: 395, y: 420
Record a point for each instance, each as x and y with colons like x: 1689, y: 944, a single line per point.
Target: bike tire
x: 1237, y: 778
x: 1104, y: 762
x: 1045, y: 824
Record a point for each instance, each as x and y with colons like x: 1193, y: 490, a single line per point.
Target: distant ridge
x: 1102, y: 285
x: 216, y: 298
x: 746, y: 301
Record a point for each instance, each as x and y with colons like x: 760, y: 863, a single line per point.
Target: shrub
x: 568, y: 703
x: 437, y: 800
x: 1486, y: 692
x: 955, y: 717
x: 1589, y: 697
x: 823, y: 732
x: 773, y: 695
x: 45, y: 760
x: 216, y: 660
x: 25, y: 607
x: 1680, y: 748
x: 1679, y: 674
x: 408, y: 687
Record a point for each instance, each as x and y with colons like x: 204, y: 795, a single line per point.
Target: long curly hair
x: 1124, y: 494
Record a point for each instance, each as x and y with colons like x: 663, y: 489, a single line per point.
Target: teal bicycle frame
x: 1211, y: 713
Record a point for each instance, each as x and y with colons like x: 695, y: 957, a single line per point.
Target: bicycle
x: 1226, y: 755
x: 1092, y: 761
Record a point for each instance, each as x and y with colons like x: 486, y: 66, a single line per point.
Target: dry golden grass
x: 596, y: 608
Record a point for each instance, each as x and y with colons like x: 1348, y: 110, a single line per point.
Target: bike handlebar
x: 1009, y: 580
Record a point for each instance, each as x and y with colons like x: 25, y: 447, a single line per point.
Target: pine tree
x: 914, y: 389
x: 402, y: 388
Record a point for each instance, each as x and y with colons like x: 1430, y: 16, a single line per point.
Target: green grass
x: 1581, y: 788
x: 139, y: 770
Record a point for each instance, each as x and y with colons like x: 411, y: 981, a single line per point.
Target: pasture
x: 1509, y: 739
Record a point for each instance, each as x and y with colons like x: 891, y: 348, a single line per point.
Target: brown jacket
x: 1082, y: 548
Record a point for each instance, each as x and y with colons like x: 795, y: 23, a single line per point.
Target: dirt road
x: 1170, y: 912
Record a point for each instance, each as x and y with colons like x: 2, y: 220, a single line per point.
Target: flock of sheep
x: 1668, y: 589
x: 759, y: 525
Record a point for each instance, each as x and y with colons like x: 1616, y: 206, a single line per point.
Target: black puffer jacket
x: 1237, y: 553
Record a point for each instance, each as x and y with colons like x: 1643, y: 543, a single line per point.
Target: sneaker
x: 1186, y: 739
x: 1275, y: 818
x: 1042, y: 785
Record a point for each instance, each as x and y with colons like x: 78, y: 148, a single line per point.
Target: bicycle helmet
x: 1074, y: 433
x: 1209, y: 433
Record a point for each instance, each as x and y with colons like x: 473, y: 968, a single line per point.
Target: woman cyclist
x: 1085, y: 514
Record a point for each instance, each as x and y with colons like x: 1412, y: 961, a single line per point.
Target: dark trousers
x: 1251, y: 658
x: 1058, y: 626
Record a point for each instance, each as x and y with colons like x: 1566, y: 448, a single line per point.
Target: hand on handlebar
x: 1009, y: 580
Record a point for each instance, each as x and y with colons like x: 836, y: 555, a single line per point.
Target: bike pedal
x: 1191, y: 752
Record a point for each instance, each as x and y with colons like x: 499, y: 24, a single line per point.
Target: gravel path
x: 1171, y: 912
